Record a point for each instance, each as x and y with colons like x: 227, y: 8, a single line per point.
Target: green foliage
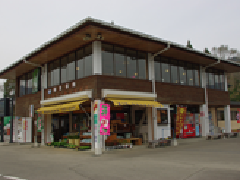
x: 9, y: 88
x: 189, y: 44
x: 206, y: 51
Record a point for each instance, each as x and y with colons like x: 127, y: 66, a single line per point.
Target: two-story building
x: 94, y: 60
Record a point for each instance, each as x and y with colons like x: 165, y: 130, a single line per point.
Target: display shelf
x: 85, y: 144
x: 85, y: 137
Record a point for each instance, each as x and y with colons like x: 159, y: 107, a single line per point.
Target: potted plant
x: 71, y: 141
x: 76, y: 140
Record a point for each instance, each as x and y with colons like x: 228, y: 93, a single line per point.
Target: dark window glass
x: 120, y: 63
x: 216, y: 80
x: 107, y: 60
x: 64, y: 61
x: 88, y: 60
x: 162, y: 117
x: 131, y: 64
x: 157, y: 69
x: 50, y: 75
x: 196, y: 75
x: 71, y: 67
x: 165, y: 69
x: 220, y: 115
x: 142, y: 65
x: 200, y: 77
x: 22, y: 89
x: 29, y: 83
x: 234, y: 115
x: 80, y: 65
x: 207, y: 79
x: 56, y: 75
x: 174, y: 71
x: 222, y: 79
x: 189, y: 74
x: 211, y: 80
x: 182, y: 73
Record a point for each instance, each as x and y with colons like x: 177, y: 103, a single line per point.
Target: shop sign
x: 105, y: 119
x: 181, y: 116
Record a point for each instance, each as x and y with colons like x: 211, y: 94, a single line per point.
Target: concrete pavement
x: 205, y: 160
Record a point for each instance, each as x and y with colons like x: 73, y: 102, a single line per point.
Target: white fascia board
x: 131, y: 94
x: 69, y: 97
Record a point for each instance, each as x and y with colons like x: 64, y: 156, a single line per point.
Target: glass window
x: 157, y: 68
x: 174, y: 71
x: 234, y: 115
x: 80, y: 67
x: 88, y: 61
x: 216, y: 80
x: 120, y: 63
x: 162, y: 117
x: 71, y: 67
x: 200, y: 77
x: 211, y: 80
x: 196, y: 74
x: 29, y: 83
x: 50, y: 75
x: 182, y: 73
x: 165, y: 69
x: 22, y: 90
x: 220, y: 115
x: 131, y: 64
x: 207, y: 79
x: 142, y: 65
x: 64, y: 61
x: 189, y: 74
x: 56, y: 72
x: 222, y: 81
x: 107, y: 60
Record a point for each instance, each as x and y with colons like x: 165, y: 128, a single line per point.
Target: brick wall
x: 80, y: 85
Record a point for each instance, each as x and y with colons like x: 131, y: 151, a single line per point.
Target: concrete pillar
x: 155, y: 126
x: 92, y: 127
x: 149, y: 119
x: 70, y: 121
x: 227, y: 115
x: 169, y: 121
x: 49, y: 127
x: 97, y: 58
x: 226, y: 82
x: 151, y: 73
x: 204, y: 120
x: 43, y: 86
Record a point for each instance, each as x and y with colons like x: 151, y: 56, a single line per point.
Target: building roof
x: 112, y: 27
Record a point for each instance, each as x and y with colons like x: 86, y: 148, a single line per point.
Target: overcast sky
x: 26, y: 24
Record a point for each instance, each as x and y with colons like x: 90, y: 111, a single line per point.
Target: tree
x: 206, y: 51
x: 224, y: 52
x: 9, y: 88
x: 189, y: 44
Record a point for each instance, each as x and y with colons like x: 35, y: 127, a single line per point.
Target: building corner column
x: 227, y: 118
x: 97, y: 58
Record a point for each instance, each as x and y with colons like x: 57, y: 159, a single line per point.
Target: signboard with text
x: 181, y: 115
x: 105, y: 119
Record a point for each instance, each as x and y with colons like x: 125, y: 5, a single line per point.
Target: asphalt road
x: 204, y: 160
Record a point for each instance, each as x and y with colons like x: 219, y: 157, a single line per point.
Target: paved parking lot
x: 203, y: 160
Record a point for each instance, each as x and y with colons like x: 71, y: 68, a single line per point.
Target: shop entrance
x: 60, y: 125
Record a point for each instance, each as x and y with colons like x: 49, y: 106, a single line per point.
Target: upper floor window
x: 182, y: 73
x: 174, y: 71
x: 165, y: 70
x: 84, y: 62
x: 30, y: 82
x: 75, y: 65
x: 123, y: 62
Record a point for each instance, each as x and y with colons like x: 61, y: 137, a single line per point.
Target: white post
x: 155, y: 125
x: 169, y: 121
x: 227, y: 115
x: 98, y: 149
x: 92, y: 127
x: 97, y: 58
x: 149, y: 118
x: 204, y: 107
x: 43, y: 86
x: 49, y: 127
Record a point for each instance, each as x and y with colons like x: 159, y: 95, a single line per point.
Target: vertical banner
x: 181, y: 116
x: 97, y: 126
x: 105, y: 119
x: 238, y: 115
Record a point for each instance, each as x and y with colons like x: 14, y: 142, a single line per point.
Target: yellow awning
x: 73, y: 106
x: 135, y: 102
